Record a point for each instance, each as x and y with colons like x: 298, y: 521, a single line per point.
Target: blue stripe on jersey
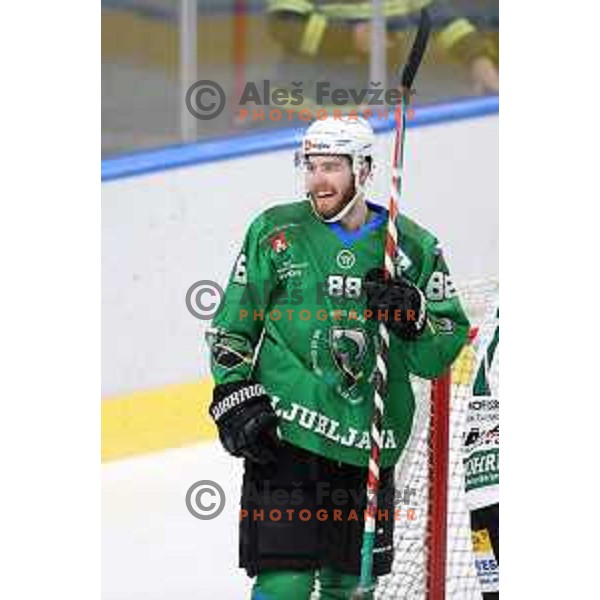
x: 349, y: 237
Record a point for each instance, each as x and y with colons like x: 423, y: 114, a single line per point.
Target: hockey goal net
x: 433, y: 551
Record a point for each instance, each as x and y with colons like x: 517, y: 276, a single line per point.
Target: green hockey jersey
x: 294, y: 318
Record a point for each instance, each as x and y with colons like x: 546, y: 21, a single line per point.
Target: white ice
x: 152, y: 547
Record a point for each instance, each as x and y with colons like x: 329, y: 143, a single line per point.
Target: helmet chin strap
x: 342, y: 213
x: 359, y: 193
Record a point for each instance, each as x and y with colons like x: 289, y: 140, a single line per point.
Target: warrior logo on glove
x: 246, y: 420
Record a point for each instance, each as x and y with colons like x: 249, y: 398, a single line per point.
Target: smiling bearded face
x: 330, y: 182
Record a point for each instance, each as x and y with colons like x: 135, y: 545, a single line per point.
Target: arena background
x: 174, y: 211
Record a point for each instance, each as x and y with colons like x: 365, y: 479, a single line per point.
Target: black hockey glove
x: 397, y: 302
x: 246, y: 420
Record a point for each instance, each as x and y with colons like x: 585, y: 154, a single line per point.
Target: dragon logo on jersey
x: 345, y: 359
x: 348, y: 347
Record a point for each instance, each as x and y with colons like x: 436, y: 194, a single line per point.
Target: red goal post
x: 433, y: 554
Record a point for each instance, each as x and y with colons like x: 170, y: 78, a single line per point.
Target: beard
x: 327, y: 210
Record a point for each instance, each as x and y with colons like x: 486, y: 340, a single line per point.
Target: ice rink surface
x: 152, y: 547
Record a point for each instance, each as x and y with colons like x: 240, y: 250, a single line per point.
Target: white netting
x: 408, y: 579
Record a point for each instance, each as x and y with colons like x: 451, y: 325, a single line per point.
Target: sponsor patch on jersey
x: 444, y: 325
x: 279, y: 243
x: 403, y: 263
x: 229, y: 351
x: 290, y: 269
x: 226, y: 357
x: 345, y: 259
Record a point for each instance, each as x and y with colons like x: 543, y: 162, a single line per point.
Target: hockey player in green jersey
x: 293, y: 351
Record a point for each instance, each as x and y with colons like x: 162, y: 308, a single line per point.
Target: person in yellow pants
x: 330, y: 40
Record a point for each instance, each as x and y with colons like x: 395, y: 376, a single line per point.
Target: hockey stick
x: 366, y: 584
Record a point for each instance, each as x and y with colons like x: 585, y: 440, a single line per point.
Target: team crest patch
x: 348, y: 348
x: 345, y: 360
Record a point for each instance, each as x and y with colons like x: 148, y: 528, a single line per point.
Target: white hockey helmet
x: 345, y: 136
